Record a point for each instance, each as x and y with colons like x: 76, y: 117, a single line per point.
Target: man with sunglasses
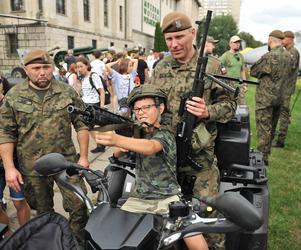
x: 175, y: 75
x: 233, y: 61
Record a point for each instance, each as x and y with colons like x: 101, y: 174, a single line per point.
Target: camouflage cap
x: 289, y: 34
x: 211, y: 39
x: 175, y: 21
x: 37, y: 56
x: 277, y: 34
x: 234, y: 39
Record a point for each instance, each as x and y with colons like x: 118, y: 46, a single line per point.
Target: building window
x: 120, y: 18
x: 86, y: 10
x: 60, y: 7
x: 105, y: 13
x: 17, y: 5
x: 40, y: 5
x: 70, y: 41
x: 13, y: 43
x: 94, y: 44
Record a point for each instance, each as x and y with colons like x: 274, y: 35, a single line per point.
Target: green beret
x: 175, y: 21
x: 289, y: 34
x: 37, y: 56
x: 277, y: 34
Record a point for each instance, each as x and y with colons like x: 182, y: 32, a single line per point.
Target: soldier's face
x: 235, y: 46
x: 39, y: 74
x: 146, y: 111
x: 180, y: 44
x: 209, y: 47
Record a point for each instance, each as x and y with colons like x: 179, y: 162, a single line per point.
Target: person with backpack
x: 92, y: 89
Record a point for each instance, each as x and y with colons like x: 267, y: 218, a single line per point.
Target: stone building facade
x: 118, y: 24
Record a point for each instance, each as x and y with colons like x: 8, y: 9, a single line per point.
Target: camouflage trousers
x: 39, y: 190
x: 266, y: 122
x: 207, y: 184
x: 284, y: 120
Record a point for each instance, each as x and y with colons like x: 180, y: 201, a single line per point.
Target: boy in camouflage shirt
x: 156, y: 178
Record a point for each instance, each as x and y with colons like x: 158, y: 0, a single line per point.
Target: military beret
x: 277, y: 34
x: 37, y: 56
x: 289, y: 34
x: 211, y: 39
x: 175, y: 21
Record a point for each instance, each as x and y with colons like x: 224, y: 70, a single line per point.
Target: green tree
x: 159, y: 41
x: 222, y: 28
x: 249, y: 39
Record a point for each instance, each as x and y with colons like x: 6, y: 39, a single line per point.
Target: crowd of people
x: 34, y: 119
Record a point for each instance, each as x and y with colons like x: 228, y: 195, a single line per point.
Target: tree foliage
x: 222, y: 28
x: 159, y: 41
x: 249, y: 39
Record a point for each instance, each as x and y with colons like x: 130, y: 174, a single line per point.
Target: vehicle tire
x: 18, y: 72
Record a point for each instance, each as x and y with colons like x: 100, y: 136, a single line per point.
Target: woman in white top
x: 72, y: 79
x: 92, y: 90
x: 123, y: 79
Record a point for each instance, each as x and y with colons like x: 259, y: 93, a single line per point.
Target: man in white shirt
x: 98, y: 65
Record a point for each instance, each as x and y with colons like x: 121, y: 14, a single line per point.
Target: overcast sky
x: 260, y: 17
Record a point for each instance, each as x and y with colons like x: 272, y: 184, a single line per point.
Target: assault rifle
x: 93, y: 116
x: 186, y: 126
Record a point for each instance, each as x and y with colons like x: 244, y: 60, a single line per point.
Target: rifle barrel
x: 235, y: 91
x: 239, y: 80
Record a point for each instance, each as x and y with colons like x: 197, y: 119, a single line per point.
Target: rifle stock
x: 186, y: 126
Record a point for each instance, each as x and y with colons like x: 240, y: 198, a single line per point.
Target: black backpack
x: 105, y: 87
x: 48, y: 231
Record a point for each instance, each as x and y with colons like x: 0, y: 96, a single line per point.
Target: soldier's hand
x: 197, y: 107
x: 83, y: 161
x: 13, y: 178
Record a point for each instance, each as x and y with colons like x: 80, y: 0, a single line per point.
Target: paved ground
x: 97, y: 161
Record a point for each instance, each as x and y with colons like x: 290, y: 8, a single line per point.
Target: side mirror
x: 52, y: 163
x: 237, y: 209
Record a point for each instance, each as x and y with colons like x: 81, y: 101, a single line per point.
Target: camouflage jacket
x: 295, y: 57
x: 272, y: 70
x: 177, y: 79
x: 39, y: 127
x: 156, y: 174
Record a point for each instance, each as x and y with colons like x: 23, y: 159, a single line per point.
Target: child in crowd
x: 123, y: 79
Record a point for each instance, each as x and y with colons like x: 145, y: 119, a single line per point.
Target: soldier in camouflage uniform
x: 156, y: 178
x: 272, y: 71
x: 175, y: 75
x: 284, y: 119
x: 34, y: 117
